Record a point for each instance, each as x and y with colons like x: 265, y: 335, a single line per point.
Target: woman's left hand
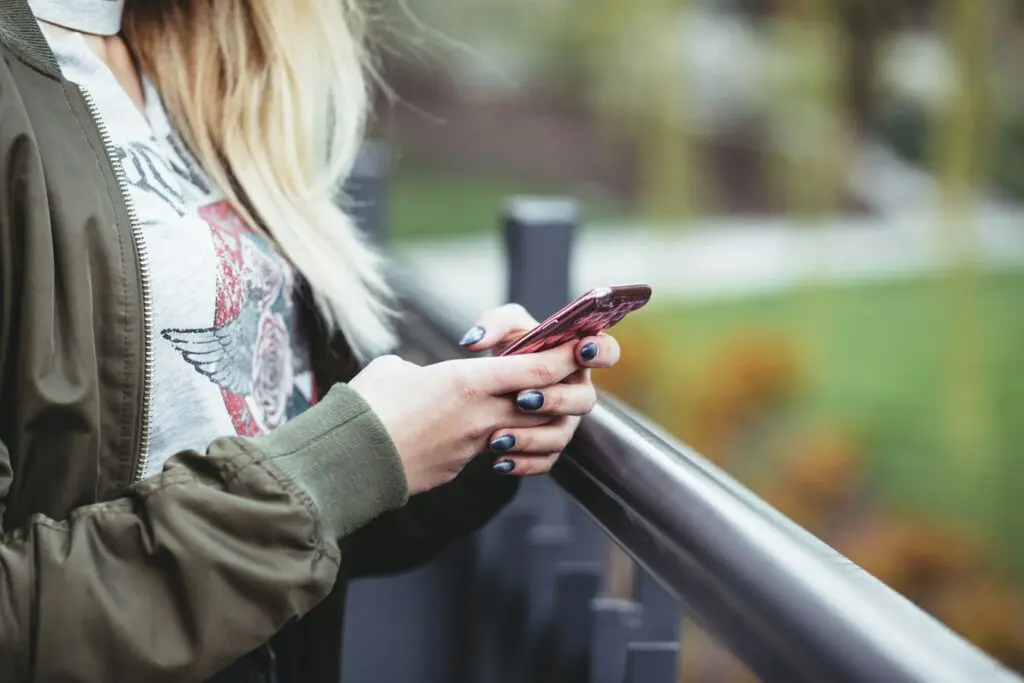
x: 558, y: 407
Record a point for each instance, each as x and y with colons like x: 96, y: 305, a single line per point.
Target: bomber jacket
x: 104, y: 577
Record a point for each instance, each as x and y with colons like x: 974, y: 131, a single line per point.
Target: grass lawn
x: 877, y: 360
x: 428, y: 202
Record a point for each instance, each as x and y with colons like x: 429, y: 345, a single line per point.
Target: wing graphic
x: 223, y: 354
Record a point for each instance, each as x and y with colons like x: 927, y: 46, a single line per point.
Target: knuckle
x: 544, y: 374
x: 477, y: 428
x: 465, y: 391
x: 464, y: 383
x: 554, y: 401
x: 591, y: 399
x: 524, y: 441
x: 384, y: 364
x: 516, y: 310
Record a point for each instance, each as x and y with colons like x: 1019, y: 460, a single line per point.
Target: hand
x: 441, y: 416
x: 562, y: 404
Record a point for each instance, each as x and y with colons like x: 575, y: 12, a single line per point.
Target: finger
x: 507, y: 414
x: 512, y: 374
x: 581, y: 376
x: 525, y: 466
x: 560, y: 399
x: 550, y: 438
x: 497, y: 325
x: 601, y: 351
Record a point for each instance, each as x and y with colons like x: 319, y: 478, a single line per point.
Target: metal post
x: 661, y: 611
x: 539, y: 234
x: 364, y: 196
x: 652, y: 662
x: 576, y: 586
x: 547, y: 546
x: 616, y: 623
x: 500, y: 592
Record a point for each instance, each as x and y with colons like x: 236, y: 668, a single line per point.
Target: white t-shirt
x: 229, y: 352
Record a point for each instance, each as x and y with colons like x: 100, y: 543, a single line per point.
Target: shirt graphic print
x: 247, y: 351
x: 229, y: 354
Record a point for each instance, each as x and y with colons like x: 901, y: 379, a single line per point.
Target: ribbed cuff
x: 342, y: 456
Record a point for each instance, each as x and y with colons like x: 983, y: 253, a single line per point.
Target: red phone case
x: 591, y: 313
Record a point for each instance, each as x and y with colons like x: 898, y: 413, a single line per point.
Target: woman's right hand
x: 441, y: 416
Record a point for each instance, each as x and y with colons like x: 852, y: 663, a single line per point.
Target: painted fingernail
x: 589, y: 351
x: 503, y: 466
x: 471, y: 337
x: 530, y: 400
x: 503, y: 443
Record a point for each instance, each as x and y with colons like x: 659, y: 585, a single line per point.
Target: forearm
x: 197, y: 566
x: 171, y: 582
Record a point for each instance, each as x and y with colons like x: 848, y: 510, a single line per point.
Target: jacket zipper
x: 144, y: 283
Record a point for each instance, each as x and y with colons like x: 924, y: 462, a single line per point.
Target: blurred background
x: 827, y: 197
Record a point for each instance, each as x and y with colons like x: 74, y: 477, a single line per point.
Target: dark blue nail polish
x: 589, y: 351
x: 530, y: 400
x: 503, y: 443
x: 471, y: 337
x: 503, y: 466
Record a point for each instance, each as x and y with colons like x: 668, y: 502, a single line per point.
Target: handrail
x: 790, y: 607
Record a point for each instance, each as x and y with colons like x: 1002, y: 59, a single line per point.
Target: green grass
x: 879, y: 364
x: 428, y: 201
x: 876, y: 357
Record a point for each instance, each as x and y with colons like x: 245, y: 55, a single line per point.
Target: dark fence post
x: 661, y: 611
x: 576, y: 587
x: 652, y: 662
x: 539, y: 234
x: 616, y: 623
x: 364, y: 196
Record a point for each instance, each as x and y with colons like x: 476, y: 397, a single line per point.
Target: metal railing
x: 539, y: 604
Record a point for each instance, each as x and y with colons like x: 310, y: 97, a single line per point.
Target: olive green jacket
x: 106, y: 578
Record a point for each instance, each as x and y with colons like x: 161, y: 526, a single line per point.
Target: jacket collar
x: 20, y: 31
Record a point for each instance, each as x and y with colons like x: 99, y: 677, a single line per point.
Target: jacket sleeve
x: 193, y: 568
x: 404, y: 538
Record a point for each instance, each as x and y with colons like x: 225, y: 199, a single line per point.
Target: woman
x: 183, y: 472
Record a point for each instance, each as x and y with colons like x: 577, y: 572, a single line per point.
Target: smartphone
x: 589, y: 314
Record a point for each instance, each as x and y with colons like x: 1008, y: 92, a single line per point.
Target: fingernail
x: 503, y: 443
x: 474, y: 335
x: 503, y: 466
x: 589, y: 351
x: 530, y: 400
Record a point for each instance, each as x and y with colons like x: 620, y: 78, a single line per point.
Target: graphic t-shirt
x: 229, y: 354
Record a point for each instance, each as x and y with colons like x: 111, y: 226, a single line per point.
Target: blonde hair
x: 271, y: 97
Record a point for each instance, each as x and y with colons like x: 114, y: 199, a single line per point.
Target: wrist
x: 340, y: 453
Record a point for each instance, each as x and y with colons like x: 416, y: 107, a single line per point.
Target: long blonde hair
x: 271, y: 96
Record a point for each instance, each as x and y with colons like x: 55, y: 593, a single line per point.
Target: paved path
x: 724, y: 258
x: 737, y: 257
